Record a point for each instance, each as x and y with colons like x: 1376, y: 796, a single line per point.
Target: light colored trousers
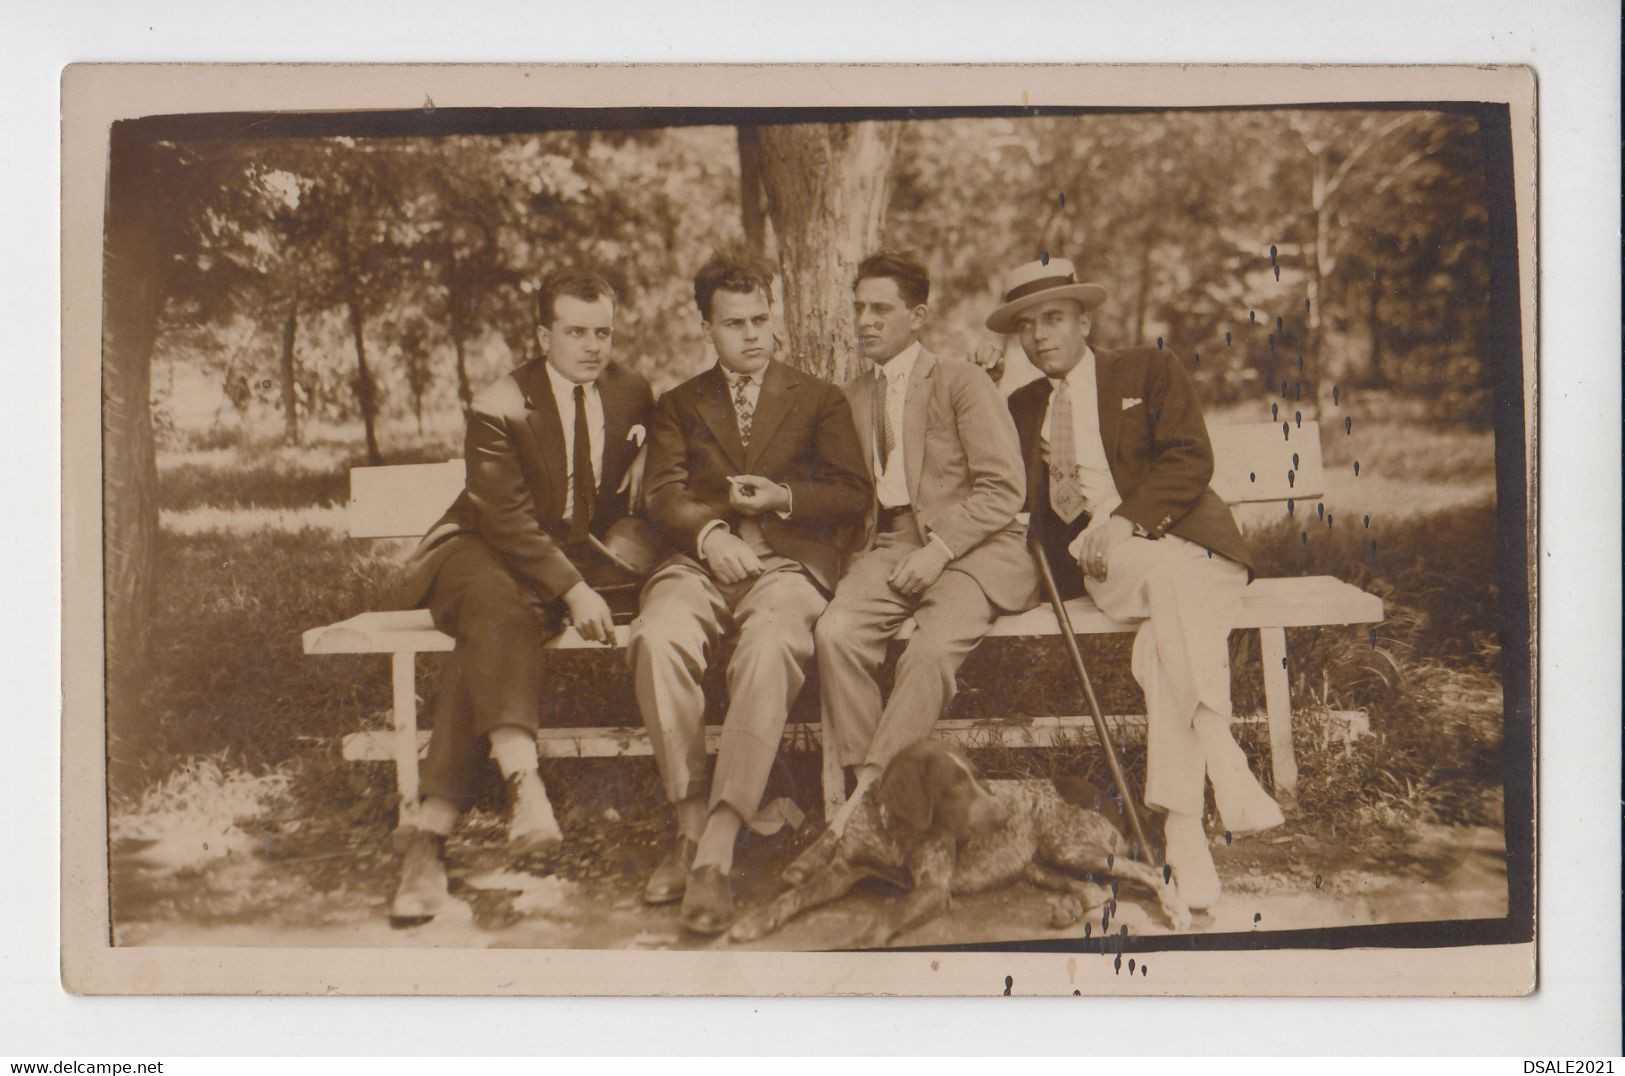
x: 952, y: 616
x: 682, y: 615
x: 1186, y: 600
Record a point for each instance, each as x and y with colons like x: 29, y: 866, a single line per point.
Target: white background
x: 1574, y: 49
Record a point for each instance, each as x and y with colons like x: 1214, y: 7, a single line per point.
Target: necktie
x: 582, y: 487
x: 1065, y: 484
x: 885, y: 435
x: 744, y: 409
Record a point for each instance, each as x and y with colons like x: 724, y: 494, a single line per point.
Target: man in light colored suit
x: 1118, y: 465
x: 755, y: 472
x: 943, y: 546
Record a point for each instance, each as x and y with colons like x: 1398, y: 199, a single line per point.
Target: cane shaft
x: 1069, y: 638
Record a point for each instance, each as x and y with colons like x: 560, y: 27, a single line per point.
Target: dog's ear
x: 905, y: 790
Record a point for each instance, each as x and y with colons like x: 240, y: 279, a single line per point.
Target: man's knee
x: 838, y: 629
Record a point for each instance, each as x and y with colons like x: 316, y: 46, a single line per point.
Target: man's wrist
x: 706, y: 532
x: 943, y: 547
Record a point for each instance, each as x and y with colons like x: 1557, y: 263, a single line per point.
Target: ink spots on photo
x: 1286, y: 431
x: 1258, y: 917
x: 1063, y: 199
x: 1280, y: 326
x: 1196, y: 358
x: 1143, y: 969
x: 1335, y: 393
x: 1328, y: 519
x: 1275, y: 411
x: 1348, y: 425
x: 1297, y: 418
x: 1131, y: 965
x: 1356, y: 468
x: 1009, y: 983
x: 1252, y: 476
x: 1291, y: 479
x: 1159, y: 343
x: 1303, y: 537
x: 1294, y: 461
x: 1289, y: 502
x: 1320, y: 510
x: 1226, y: 339
x: 1367, y: 521
x: 1252, y: 317
x: 1306, y: 306
x: 1043, y: 257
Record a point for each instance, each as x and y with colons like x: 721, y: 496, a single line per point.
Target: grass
x: 251, y: 557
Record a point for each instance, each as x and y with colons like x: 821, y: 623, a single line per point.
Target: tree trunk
x: 365, y: 388
x: 1142, y: 297
x: 826, y: 189
x: 752, y: 211
x: 290, y: 395
x: 458, y: 329
x: 1309, y: 376
x: 139, y: 228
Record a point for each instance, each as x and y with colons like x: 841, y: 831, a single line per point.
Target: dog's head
x: 932, y: 786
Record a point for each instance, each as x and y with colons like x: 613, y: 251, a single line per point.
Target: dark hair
x: 913, y: 283
x: 731, y: 270
x: 577, y: 284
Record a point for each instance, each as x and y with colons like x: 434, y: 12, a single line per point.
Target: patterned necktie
x: 1065, y: 484
x: 885, y: 435
x: 744, y: 409
x: 582, y: 487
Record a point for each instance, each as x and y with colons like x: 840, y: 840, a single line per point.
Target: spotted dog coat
x: 935, y: 827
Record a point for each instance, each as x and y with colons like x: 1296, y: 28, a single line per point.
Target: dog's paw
x: 1178, y: 914
x: 1065, y: 910
x: 750, y: 927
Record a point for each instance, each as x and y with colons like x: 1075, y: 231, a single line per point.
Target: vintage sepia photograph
x: 745, y: 531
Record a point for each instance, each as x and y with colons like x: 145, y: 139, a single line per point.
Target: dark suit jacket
x: 514, y: 497
x: 1157, y: 446
x: 802, y: 436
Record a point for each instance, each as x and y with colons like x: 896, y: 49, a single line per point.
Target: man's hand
x: 589, y: 612
x: 990, y: 357
x: 751, y: 495
x: 1098, y: 544
x: 730, y: 559
x: 917, y: 571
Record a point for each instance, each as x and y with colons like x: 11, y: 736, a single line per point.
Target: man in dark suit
x: 549, y: 452
x: 754, y: 471
x: 1118, y: 465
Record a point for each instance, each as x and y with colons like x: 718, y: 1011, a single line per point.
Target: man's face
x: 1054, y: 335
x: 577, y: 344
x: 886, y: 324
x: 741, y: 329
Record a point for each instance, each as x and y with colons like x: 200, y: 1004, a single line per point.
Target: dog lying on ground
x: 935, y: 827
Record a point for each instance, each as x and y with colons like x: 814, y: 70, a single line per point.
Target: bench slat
x: 1307, y: 601
x: 377, y: 745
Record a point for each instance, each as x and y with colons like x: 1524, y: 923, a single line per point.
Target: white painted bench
x: 1253, y: 463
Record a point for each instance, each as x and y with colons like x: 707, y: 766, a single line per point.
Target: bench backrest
x: 1251, y: 462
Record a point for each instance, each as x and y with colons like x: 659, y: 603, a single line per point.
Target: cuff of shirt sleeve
x: 705, y: 532
x: 946, y: 548
x: 789, y: 501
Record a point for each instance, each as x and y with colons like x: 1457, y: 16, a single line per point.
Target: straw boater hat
x: 1038, y: 282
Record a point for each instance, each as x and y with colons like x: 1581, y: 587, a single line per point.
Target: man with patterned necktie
x: 755, y: 472
x: 1118, y: 464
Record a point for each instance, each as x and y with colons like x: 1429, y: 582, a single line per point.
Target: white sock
x: 514, y: 750
x: 436, y: 815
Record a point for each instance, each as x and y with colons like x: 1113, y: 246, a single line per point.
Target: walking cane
x: 1071, y: 638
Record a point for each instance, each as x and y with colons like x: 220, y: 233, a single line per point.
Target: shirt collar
x: 1080, y: 375
x: 563, y: 387
x: 901, y: 364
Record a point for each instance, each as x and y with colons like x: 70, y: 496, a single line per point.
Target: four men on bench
x: 756, y: 472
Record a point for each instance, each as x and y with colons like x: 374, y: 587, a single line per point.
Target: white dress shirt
x: 564, y: 398
x: 892, y: 486
x: 1100, y: 495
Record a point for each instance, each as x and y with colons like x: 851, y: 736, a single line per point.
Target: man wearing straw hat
x: 1118, y: 464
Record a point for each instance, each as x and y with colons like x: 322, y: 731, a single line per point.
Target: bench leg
x: 406, y: 730
x: 834, y: 778
x: 1278, y: 702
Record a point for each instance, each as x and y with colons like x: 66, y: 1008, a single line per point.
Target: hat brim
x: 1003, y: 320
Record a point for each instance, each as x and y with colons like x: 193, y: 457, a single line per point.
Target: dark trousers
x: 494, y: 677
x: 1055, y: 536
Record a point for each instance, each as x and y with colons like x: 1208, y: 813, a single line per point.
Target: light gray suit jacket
x: 966, y: 479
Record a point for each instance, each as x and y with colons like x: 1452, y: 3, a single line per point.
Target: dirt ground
x: 330, y: 889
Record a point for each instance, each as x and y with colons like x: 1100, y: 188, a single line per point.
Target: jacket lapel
x: 772, y: 404
x: 1109, y: 403
x: 914, y: 409
x: 1030, y: 426
x: 544, y: 423
x: 617, y: 421
x: 717, y: 410
x: 863, y: 402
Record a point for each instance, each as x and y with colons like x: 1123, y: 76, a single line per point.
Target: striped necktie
x: 885, y: 433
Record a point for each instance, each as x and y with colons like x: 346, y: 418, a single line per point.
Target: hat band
x: 1041, y: 284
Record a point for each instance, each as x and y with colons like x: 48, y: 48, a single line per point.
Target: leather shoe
x: 670, y: 878
x: 531, y: 825
x: 1187, y: 853
x: 708, y: 904
x: 422, y: 889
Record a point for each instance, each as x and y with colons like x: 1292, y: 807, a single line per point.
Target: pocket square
x: 1132, y: 401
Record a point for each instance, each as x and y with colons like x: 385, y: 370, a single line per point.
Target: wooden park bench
x: 1253, y: 463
